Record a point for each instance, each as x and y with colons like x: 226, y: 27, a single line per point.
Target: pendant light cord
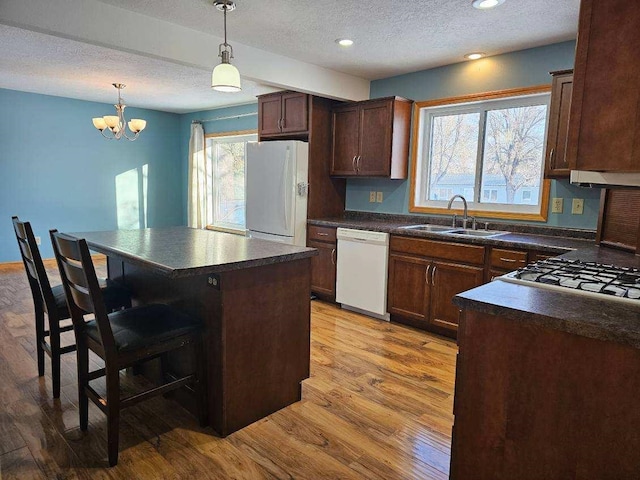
x: 224, y: 10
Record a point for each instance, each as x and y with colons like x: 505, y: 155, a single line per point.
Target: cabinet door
x: 605, y: 106
x: 323, y: 269
x: 375, y: 139
x: 345, y: 141
x: 556, y: 165
x: 295, y: 113
x: 447, y: 280
x: 408, y: 289
x: 269, y: 114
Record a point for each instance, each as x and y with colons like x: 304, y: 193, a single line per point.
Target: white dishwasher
x: 361, y: 277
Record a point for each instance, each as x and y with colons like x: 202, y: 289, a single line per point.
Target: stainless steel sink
x: 477, y: 233
x: 430, y: 228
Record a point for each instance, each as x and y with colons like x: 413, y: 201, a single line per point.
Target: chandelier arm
x: 135, y: 136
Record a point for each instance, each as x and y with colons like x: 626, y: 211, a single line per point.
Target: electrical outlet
x: 379, y: 197
x: 577, y: 206
x: 38, y: 241
x: 556, y: 205
x: 372, y: 197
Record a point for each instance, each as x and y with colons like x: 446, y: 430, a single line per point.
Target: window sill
x: 234, y: 231
x: 531, y: 217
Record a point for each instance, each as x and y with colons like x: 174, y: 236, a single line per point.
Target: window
x: 491, y: 150
x: 226, y: 186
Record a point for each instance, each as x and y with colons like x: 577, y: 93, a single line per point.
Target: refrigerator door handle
x: 286, y: 182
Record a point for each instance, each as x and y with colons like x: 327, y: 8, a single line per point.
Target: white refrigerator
x: 276, y: 195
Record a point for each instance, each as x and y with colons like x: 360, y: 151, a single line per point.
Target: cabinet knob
x: 358, y: 163
x: 353, y: 163
x: 333, y: 256
x: 433, y: 276
x: 426, y: 274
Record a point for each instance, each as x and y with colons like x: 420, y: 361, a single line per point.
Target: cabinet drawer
x: 321, y: 234
x: 508, y: 259
x: 457, y: 252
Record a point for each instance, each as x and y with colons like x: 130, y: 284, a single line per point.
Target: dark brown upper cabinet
x: 556, y: 164
x: 604, y: 125
x: 283, y: 114
x: 371, y: 138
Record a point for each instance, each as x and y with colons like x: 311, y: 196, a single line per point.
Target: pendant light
x: 225, y: 77
x: 116, y: 125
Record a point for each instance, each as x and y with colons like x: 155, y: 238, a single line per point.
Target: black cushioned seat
x: 115, y: 297
x: 52, y: 302
x: 145, y: 326
x: 123, y: 339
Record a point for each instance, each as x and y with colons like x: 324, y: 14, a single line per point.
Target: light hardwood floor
x: 378, y: 405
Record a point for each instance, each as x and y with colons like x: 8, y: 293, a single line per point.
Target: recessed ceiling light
x: 485, y: 4
x: 344, y: 42
x: 474, y: 55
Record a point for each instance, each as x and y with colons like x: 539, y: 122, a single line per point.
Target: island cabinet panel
x: 424, y: 276
x: 257, y: 333
x: 604, y: 123
x: 371, y: 138
x: 532, y: 403
x: 556, y: 164
x: 323, y: 266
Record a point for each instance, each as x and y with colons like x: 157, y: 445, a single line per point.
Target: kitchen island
x: 547, y: 382
x: 252, y: 296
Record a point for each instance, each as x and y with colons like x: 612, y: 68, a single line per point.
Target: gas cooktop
x: 586, y: 278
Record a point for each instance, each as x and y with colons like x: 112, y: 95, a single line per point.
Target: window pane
x: 513, y: 155
x: 228, y: 184
x: 453, y: 153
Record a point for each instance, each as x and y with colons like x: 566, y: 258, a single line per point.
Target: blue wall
x: 213, y: 126
x: 518, y: 69
x: 57, y: 171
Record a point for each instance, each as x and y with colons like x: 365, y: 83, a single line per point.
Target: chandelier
x: 117, y: 124
x: 225, y: 77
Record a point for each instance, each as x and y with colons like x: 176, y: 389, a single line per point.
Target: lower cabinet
x: 323, y: 266
x: 421, y: 287
x: 447, y: 280
x: 323, y: 269
x: 408, y: 287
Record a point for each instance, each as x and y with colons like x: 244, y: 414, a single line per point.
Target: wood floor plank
x: 378, y: 405
x: 19, y: 465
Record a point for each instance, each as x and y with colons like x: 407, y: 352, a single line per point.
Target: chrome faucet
x: 465, y: 217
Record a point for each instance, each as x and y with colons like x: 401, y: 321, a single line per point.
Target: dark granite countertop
x: 183, y: 251
x: 597, y: 318
x: 551, y: 240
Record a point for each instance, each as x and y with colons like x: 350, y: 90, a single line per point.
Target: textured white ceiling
x: 288, y: 43
x: 391, y: 37
x: 39, y: 63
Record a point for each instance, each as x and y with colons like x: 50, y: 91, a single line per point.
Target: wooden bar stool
x: 53, y: 302
x: 122, y: 339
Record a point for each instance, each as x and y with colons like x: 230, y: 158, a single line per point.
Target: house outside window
x: 226, y: 181
x: 490, y: 150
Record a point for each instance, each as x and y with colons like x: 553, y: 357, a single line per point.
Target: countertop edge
x: 613, y: 323
x: 570, y: 245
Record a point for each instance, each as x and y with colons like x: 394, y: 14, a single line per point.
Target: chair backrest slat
x: 34, y: 266
x: 81, y: 286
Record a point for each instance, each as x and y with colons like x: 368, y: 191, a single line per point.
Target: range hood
x: 583, y: 178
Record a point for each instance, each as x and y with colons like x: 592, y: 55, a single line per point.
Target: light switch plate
x: 372, y: 197
x: 379, y: 197
x: 577, y: 206
x: 556, y: 205
x: 38, y: 241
